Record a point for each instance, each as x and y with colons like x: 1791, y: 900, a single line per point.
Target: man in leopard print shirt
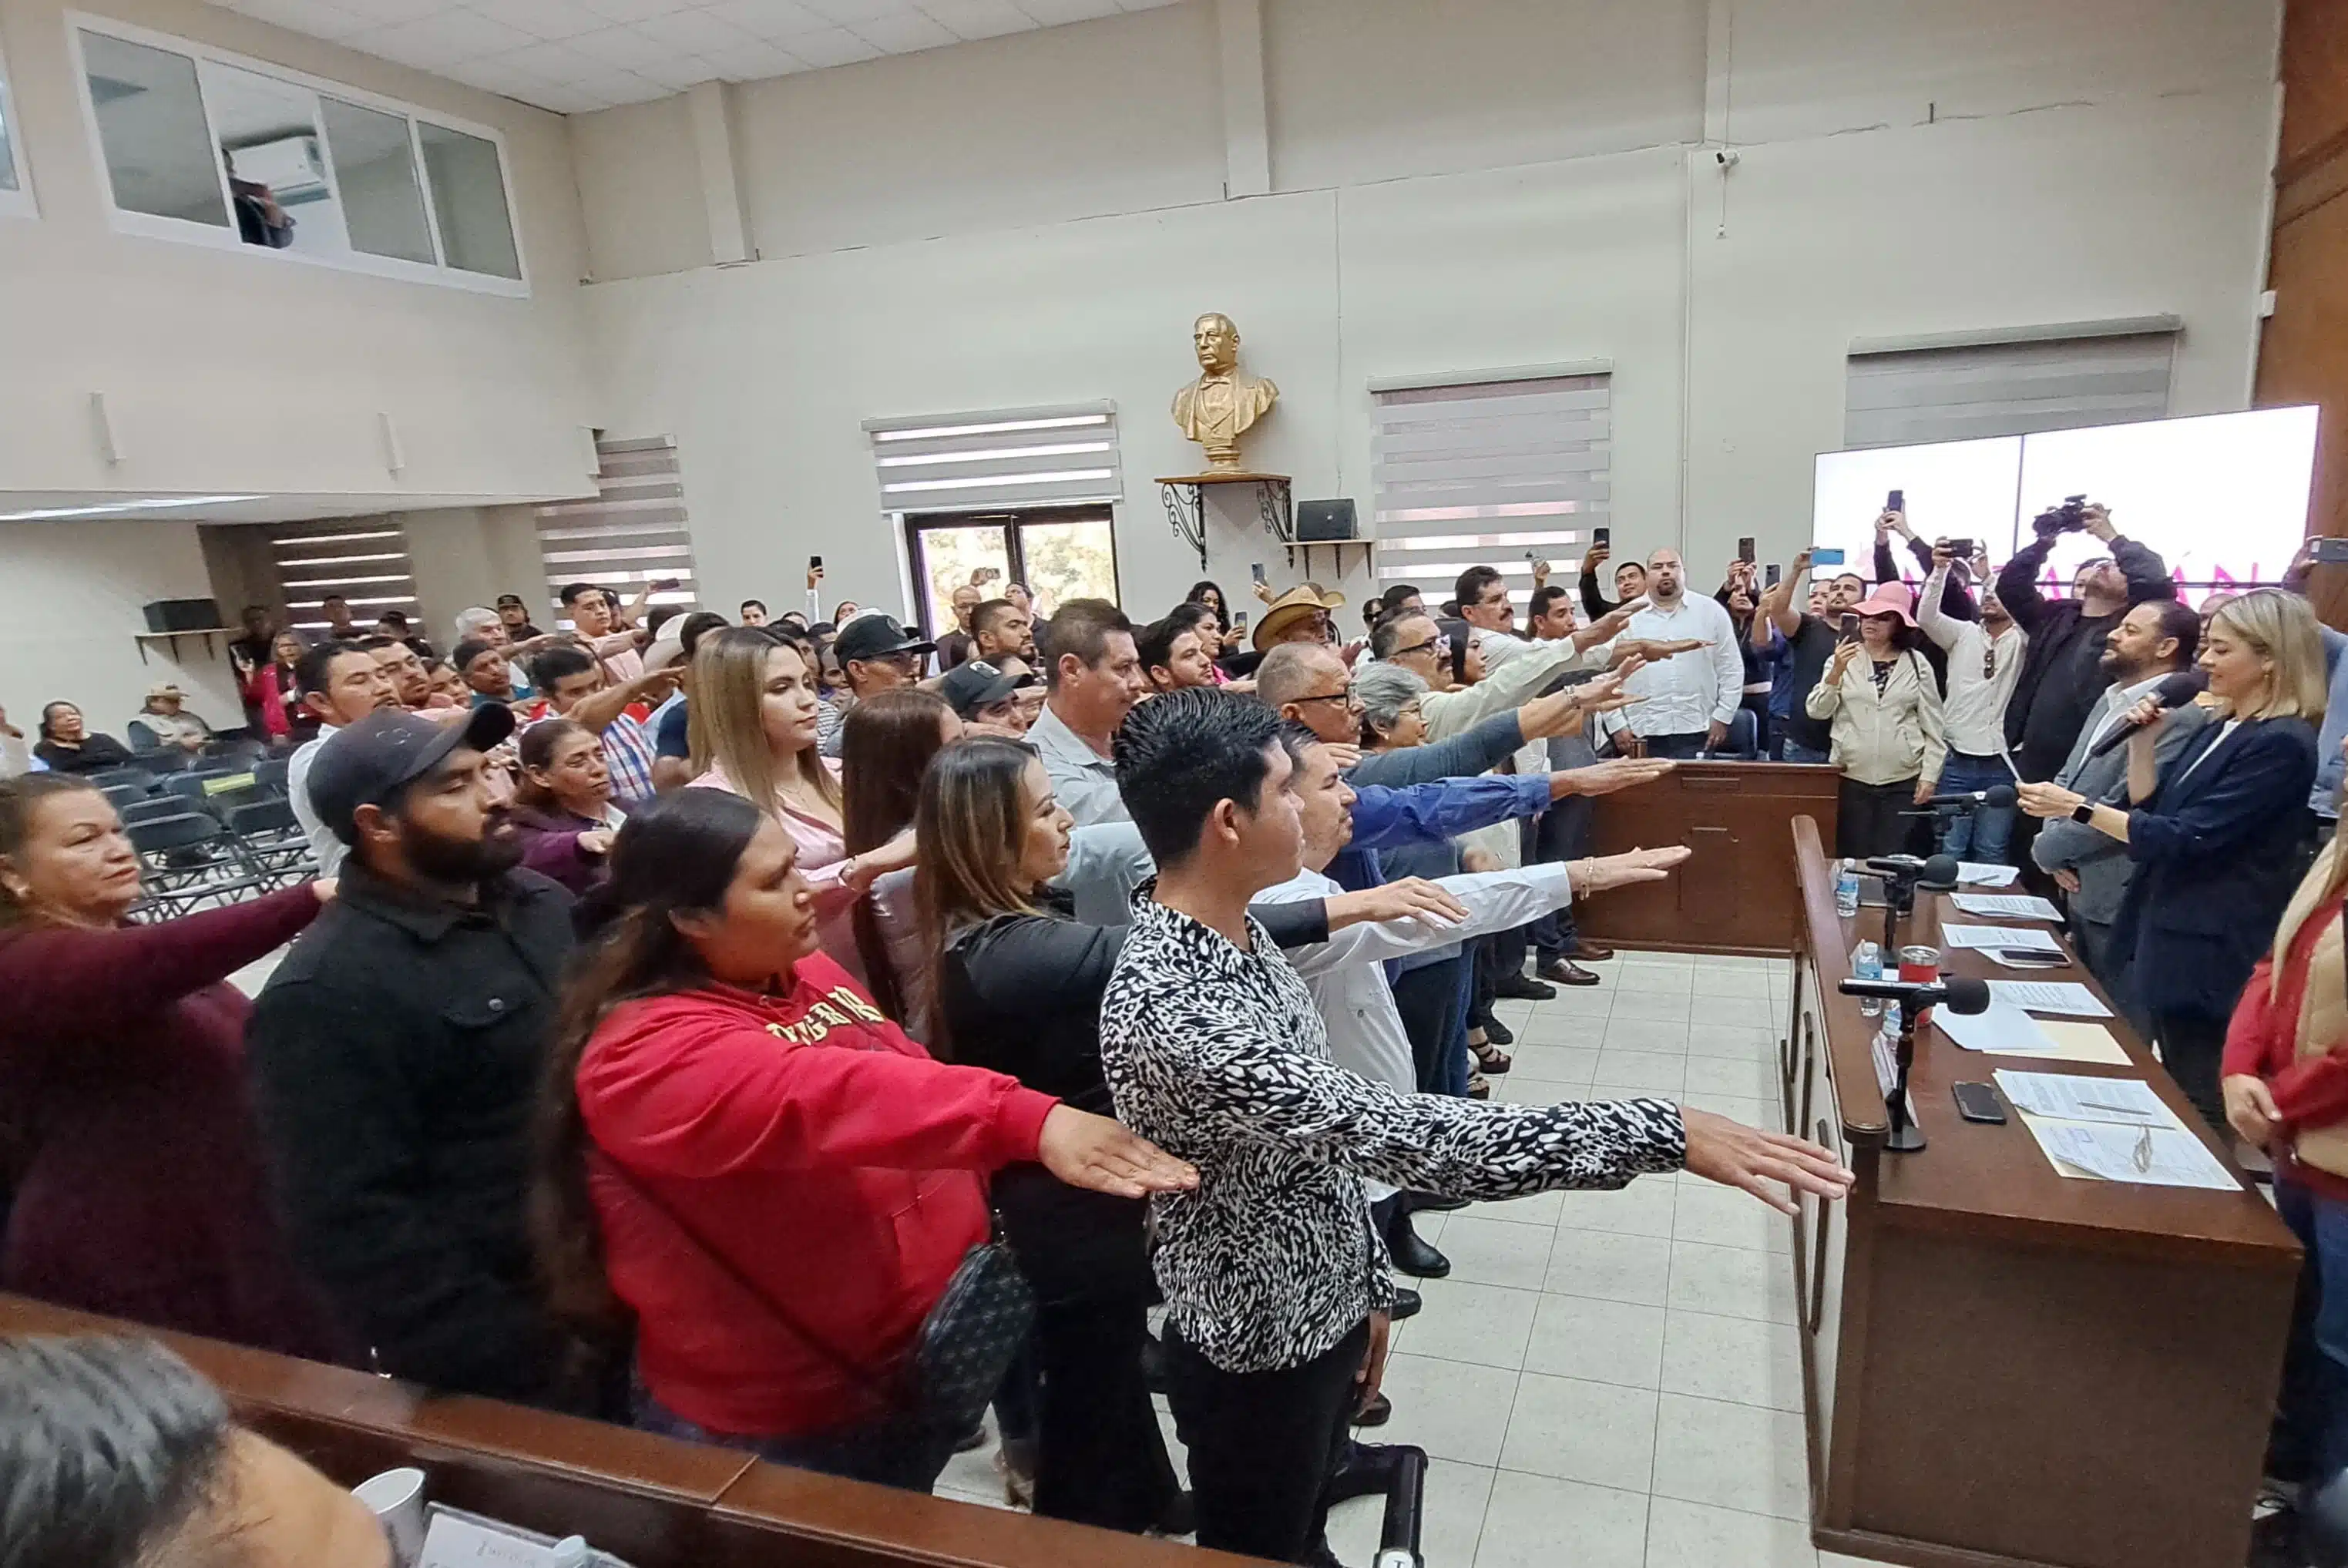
x: 1273, y: 1275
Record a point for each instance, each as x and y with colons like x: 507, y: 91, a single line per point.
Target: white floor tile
x: 1598, y: 1341
x: 1611, y: 1267
x: 1453, y: 1410
x: 1174, y: 1449
x: 1535, y: 1209
x: 1640, y: 1072
x: 1571, y: 1010
x: 1692, y: 1535
x: 1514, y: 1088
x: 1551, y: 1063
x: 1486, y: 1325
x: 1659, y: 978
x: 1732, y: 1359
x: 1764, y: 1113
x: 1724, y: 1075
x: 1496, y: 1251
x: 1643, y: 957
x: 1731, y: 1456
x: 1641, y: 1003
x: 1665, y: 1034
x: 1449, y: 1524
x: 1733, y: 1041
x: 1730, y: 1282
x: 1537, y: 1522
x: 1600, y: 1433
x: 1743, y: 983
x: 1738, y: 1012
x: 1724, y: 1217
x: 1644, y: 1208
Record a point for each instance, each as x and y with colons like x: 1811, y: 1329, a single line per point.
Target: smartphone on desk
x: 1977, y: 1102
x: 2032, y: 958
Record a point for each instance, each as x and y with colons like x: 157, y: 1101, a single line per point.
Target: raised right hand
x: 1100, y: 1154
x: 1631, y: 866
x: 1595, y: 557
x: 1735, y: 1155
x: 1407, y: 898
x: 1606, y: 777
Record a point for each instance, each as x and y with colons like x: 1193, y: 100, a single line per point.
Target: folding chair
x: 272, y: 840
x: 139, y: 779
x: 188, y: 860
x: 152, y: 808
x: 269, y: 774
x: 125, y: 795
x: 216, y: 792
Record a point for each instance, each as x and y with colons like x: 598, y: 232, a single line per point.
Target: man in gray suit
x: 2152, y: 642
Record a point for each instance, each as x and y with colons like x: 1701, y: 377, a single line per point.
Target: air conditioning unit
x: 291, y: 166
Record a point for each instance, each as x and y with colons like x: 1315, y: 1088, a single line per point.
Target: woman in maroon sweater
x: 124, y: 1114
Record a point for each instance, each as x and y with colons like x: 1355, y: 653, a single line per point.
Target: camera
x: 2070, y: 517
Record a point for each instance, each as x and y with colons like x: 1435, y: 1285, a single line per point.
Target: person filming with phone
x: 1879, y: 695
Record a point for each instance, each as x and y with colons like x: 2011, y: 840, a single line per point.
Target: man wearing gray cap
x: 396, y: 1054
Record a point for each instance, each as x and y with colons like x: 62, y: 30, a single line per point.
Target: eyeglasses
x: 1435, y: 642
x: 1346, y: 697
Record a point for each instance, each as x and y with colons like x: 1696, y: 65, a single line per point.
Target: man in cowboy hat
x: 170, y: 723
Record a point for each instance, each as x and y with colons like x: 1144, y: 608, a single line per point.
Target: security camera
x: 1726, y: 157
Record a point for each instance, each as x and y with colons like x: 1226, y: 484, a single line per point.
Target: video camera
x: 2070, y: 517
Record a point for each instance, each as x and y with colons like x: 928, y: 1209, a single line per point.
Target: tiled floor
x: 1607, y: 1379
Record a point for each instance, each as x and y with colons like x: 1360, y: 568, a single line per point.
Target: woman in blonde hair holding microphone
x: 2217, y: 833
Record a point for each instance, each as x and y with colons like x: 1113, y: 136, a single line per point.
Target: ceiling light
x: 151, y: 503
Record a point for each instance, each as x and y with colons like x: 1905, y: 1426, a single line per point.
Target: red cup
x: 1919, y: 966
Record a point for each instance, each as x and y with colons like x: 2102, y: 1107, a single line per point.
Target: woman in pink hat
x: 1889, y: 742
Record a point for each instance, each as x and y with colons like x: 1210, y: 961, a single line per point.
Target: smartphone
x: 1977, y: 1102
x: 2331, y: 551
x: 1603, y: 537
x: 1256, y: 572
x: 1826, y: 557
x: 1849, y: 627
x: 1961, y: 550
x: 815, y: 562
x: 1239, y: 622
x: 2029, y: 959
x: 1896, y: 501
x: 1769, y: 575
x: 1745, y: 550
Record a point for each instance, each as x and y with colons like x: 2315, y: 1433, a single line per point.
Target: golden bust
x: 1217, y: 409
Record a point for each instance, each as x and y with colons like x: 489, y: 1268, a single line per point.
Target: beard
x: 455, y: 861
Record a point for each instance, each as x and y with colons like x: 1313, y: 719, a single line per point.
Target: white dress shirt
x: 324, y: 847
x: 1085, y: 780
x: 1687, y: 693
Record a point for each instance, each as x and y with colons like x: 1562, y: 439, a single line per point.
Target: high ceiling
x: 579, y: 54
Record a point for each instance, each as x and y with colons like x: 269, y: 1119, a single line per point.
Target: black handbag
x: 960, y: 1355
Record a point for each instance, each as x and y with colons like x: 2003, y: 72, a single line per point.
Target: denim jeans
x: 1681, y: 748
x: 890, y: 1453
x: 1982, y: 833
x: 2311, y: 1434
x: 1792, y: 751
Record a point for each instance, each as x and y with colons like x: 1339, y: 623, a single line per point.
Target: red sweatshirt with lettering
x: 834, y: 1164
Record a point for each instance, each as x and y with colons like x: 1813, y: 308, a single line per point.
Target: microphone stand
x: 1906, y: 1138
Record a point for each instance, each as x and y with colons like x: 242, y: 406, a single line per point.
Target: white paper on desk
x: 2072, y: 1097
x: 2011, y: 905
x: 1975, y: 873
x: 459, y: 1540
x: 2177, y: 1159
x: 2001, y: 1028
x: 2067, y: 997
x: 1984, y: 938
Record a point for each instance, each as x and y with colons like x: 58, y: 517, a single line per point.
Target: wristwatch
x: 2085, y: 811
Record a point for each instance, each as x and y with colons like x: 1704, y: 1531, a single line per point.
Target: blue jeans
x: 888, y: 1453
x: 2310, y: 1437
x: 1791, y: 750
x: 1981, y: 834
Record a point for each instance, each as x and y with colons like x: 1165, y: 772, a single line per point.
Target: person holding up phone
x: 1984, y: 661
x: 1883, y: 710
x: 1801, y: 643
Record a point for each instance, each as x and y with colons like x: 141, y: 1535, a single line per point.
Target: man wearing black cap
x: 396, y: 1054
x: 981, y: 691
x: 516, y: 616
x: 876, y: 653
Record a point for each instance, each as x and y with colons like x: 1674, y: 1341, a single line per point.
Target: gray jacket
x: 2101, y: 862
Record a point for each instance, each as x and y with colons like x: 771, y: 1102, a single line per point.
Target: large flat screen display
x: 2222, y: 497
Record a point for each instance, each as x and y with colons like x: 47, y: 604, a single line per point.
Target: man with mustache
x: 396, y: 1054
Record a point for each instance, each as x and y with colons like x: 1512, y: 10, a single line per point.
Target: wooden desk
x: 655, y: 1502
x: 2004, y: 1366
x: 1737, y: 893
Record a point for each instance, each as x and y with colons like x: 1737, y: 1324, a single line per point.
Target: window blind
x: 364, y: 559
x: 632, y: 532
x: 1014, y: 457
x: 1959, y: 392
x: 1479, y: 472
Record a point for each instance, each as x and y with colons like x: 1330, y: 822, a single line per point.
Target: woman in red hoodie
x: 782, y: 1183
x: 2286, y: 1088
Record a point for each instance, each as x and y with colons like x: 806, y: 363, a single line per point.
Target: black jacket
x: 396, y: 1055
x: 2061, y: 674
x: 1021, y: 993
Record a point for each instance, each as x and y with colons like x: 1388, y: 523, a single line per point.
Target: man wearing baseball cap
x: 395, y: 1057
x: 876, y: 653
x: 982, y: 692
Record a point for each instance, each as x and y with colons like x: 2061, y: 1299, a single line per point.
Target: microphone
x: 2175, y: 692
x: 1996, y: 795
x: 1938, y: 874
x: 1961, y: 994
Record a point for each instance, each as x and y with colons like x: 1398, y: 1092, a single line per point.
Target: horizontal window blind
x: 990, y: 462
x: 1479, y: 472
x: 364, y: 559
x: 1905, y: 398
x: 632, y: 532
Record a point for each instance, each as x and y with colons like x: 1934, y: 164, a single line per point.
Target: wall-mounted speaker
x: 1326, y: 521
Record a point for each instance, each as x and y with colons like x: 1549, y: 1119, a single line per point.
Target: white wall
x: 70, y: 597
x: 241, y: 371
x: 1456, y: 189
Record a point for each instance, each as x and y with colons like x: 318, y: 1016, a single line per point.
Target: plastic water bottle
x: 1847, y: 890
x: 1868, y: 965
x: 1891, y: 1019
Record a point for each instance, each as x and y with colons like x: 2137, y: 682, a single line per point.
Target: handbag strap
x: 854, y: 1373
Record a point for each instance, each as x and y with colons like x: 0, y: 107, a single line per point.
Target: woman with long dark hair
x: 564, y: 813
x: 125, y: 1110
x: 68, y: 744
x: 771, y: 1177
x: 1208, y: 593
x: 886, y: 743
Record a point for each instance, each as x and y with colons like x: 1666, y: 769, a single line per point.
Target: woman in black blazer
x: 2216, y: 836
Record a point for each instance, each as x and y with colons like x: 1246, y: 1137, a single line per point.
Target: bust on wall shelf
x: 1217, y: 409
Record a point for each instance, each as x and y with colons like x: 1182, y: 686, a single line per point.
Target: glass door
x: 1065, y: 558
x: 954, y: 553
x: 1060, y: 553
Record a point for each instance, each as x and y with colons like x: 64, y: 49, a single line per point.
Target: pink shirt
x: 823, y: 860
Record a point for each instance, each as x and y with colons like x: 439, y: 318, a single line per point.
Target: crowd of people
x: 684, y: 1001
